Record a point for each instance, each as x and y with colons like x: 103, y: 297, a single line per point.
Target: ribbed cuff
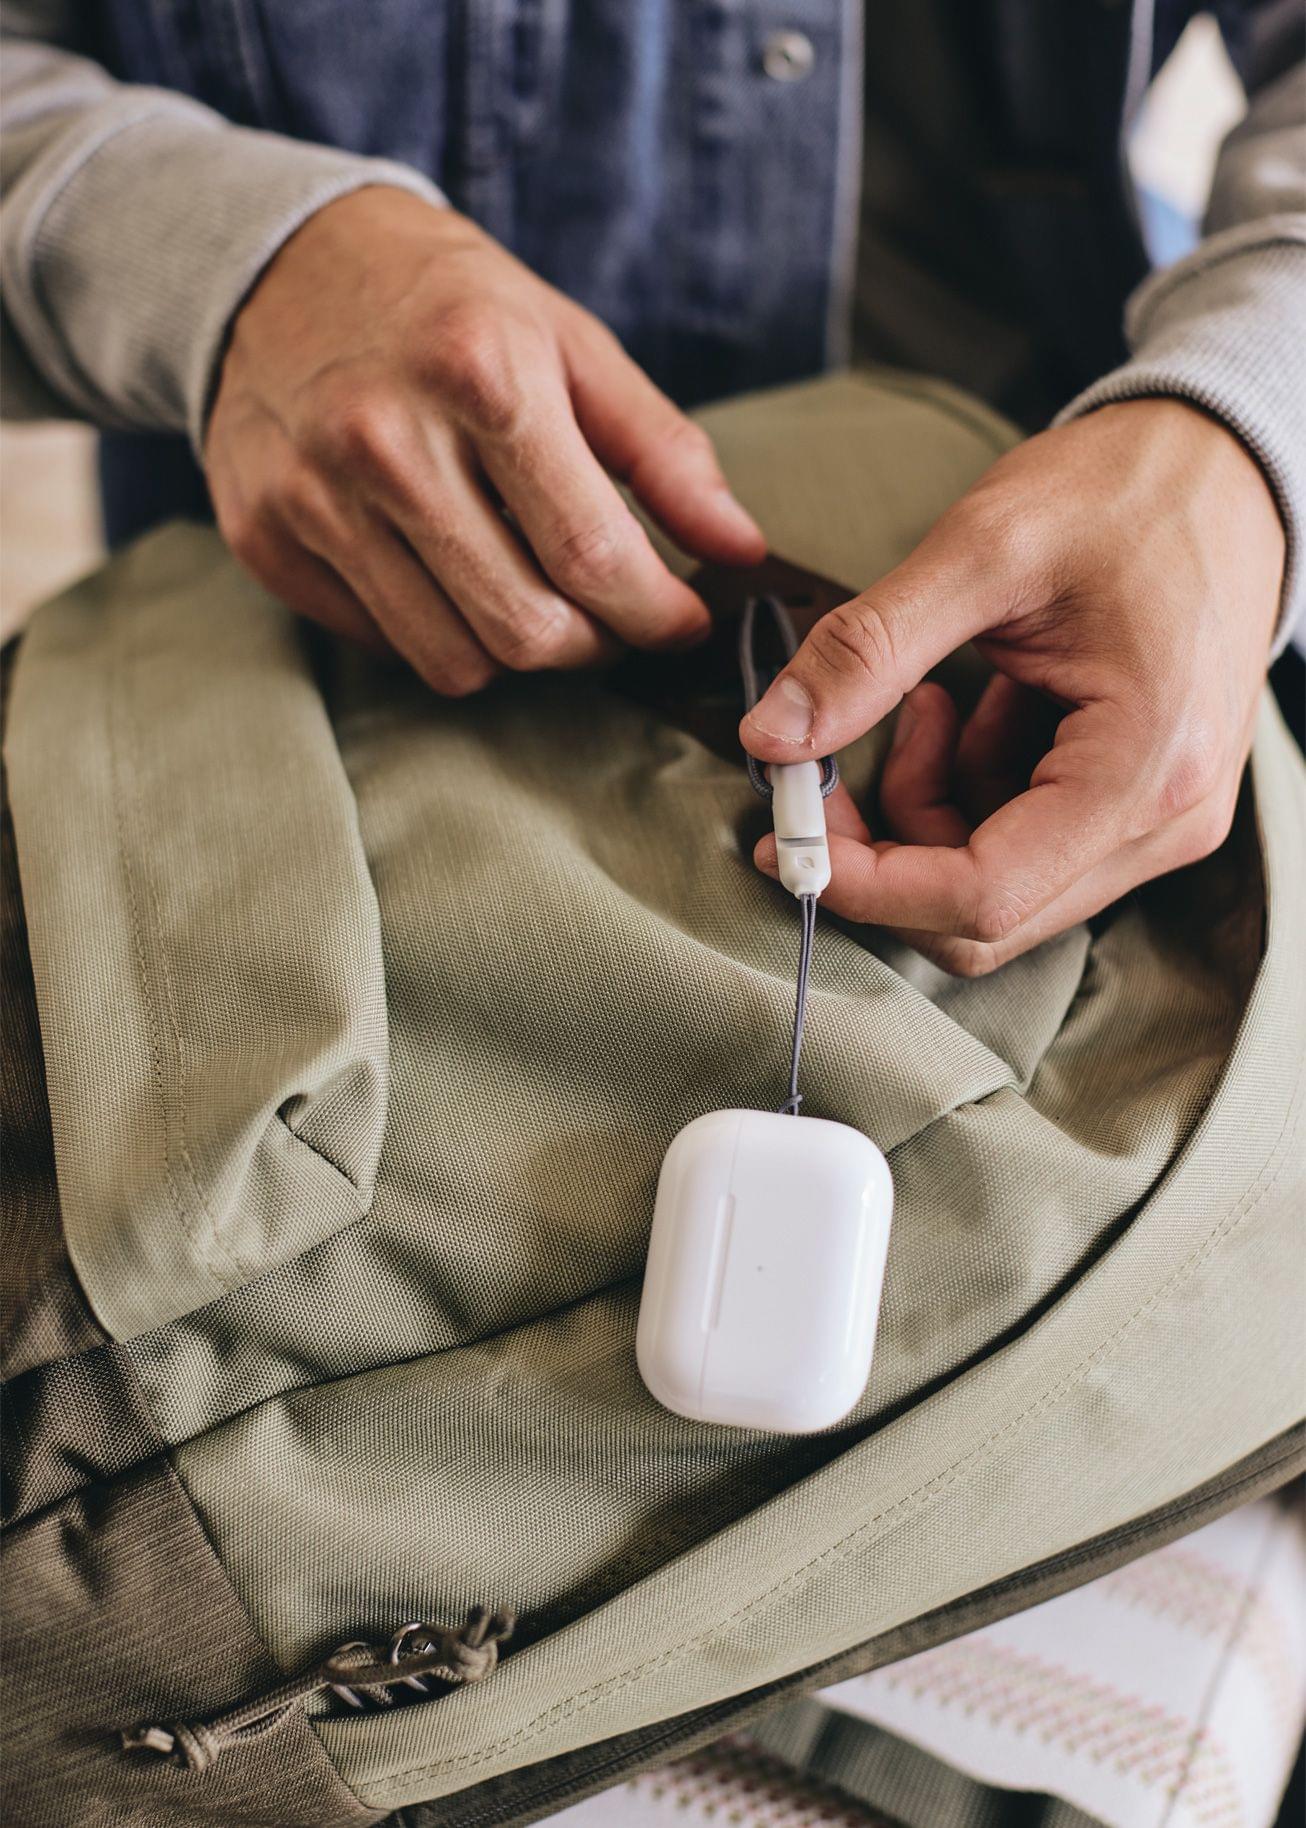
x: 1224, y: 330
x: 136, y: 256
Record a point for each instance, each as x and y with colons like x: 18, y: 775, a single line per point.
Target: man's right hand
x: 414, y: 439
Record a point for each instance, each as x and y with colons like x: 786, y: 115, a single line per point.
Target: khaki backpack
x: 356, y: 1026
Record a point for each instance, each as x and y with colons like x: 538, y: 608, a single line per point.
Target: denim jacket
x: 691, y: 170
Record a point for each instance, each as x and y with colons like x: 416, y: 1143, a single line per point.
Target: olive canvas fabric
x: 367, y: 1019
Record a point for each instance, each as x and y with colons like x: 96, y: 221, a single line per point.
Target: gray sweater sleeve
x: 135, y: 221
x: 1226, y: 327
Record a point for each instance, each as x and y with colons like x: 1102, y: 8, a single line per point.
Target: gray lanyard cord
x: 755, y: 683
x: 807, y: 903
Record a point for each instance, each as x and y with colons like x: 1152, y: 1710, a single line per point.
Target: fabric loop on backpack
x: 353, y: 1670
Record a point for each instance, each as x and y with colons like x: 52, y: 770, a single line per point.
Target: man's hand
x: 395, y: 383
x: 1122, y: 574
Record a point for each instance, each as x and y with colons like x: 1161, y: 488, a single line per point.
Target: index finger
x: 582, y: 533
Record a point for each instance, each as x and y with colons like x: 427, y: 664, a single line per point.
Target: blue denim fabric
x: 638, y: 154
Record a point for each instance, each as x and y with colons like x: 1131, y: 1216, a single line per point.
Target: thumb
x: 862, y: 658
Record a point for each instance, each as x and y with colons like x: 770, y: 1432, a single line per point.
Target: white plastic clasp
x: 798, y: 813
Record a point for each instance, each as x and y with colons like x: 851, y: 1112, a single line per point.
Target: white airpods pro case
x: 765, y: 1264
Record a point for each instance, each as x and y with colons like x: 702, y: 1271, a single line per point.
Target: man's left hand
x: 1122, y: 575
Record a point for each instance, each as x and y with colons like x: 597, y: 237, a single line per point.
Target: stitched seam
x: 737, y: 1710
x: 253, y: 58
x: 839, y: 1550
x: 213, y: 1239
x: 198, y: 1238
x: 322, y: 1156
x: 133, y: 911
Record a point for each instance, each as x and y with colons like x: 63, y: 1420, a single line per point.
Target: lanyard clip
x: 798, y: 815
x: 795, y: 789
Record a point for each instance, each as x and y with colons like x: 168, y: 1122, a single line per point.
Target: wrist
x: 318, y: 230
x: 1204, y: 473
x: 1200, y: 436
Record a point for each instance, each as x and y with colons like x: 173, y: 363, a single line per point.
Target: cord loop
x: 757, y: 679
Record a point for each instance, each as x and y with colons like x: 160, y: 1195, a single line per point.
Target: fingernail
x: 902, y: 729
x: 785, y: 712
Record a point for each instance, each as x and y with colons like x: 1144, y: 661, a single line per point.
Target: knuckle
x: 305, y: 504
x: 1006, y: 546
x: 994, y: 917
x: 1191, y: 775
x: 685, y: 438
x: 588, y: 562
x: 363, y: 436
x: 855, y: 638
x: 474, y: 368
x: 530, y: 638
x: 588, y: 334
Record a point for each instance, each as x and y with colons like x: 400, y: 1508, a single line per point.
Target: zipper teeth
x: 1068, y: 1558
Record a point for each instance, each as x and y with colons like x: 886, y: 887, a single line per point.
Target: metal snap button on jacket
x: 787, y: 57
